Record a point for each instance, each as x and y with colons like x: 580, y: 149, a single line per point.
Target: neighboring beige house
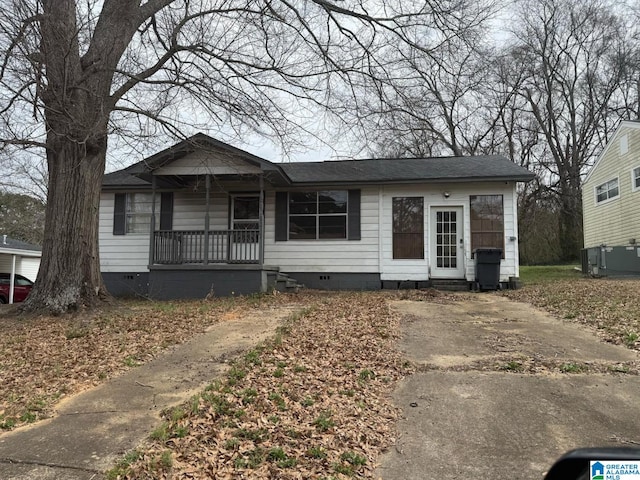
x: 611, y: 206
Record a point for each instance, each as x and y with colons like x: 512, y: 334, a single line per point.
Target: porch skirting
x: 189, y: 281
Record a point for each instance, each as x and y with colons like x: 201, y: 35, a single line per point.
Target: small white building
x: 203, y: 216
x: 19, y: 258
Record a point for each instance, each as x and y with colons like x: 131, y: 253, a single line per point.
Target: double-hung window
x: 487, y: 222
x: 139, y: 207
x: 635, y: 179
x: 607, y: 191
x: 318, y: 215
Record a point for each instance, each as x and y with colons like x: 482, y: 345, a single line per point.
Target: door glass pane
x: 446, y: 245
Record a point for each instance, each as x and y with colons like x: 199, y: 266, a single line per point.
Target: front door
x: 446, y: 242
x: 245, y: 222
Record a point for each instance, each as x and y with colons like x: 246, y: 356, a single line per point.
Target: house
x: 17, y: 258
x: 610, y: 205
x: 204, y: 217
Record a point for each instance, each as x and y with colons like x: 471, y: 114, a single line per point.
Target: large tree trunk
x: 77, y: 108
x: 69, y: 276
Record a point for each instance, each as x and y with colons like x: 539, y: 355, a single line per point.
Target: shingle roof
x: 13, y: 244
x: 403, y: 170
x: 383, y: 170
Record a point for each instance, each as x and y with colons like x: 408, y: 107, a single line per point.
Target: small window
x: 487, y: 222
x: 635, y: 179
x: 138, y: 212
x: 607, y: 191
x: 318, y: 215
x: 624, y: 144
x: 408, y: 228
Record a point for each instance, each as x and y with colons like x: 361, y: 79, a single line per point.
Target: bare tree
x: 436, y: 102
x: 73, y: 71
x: 574, y: 58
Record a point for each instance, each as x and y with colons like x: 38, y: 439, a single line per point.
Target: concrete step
x: 451, y: 285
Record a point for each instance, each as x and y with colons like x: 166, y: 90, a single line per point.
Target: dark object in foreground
x: 575, y: 465
x: 488, y: 268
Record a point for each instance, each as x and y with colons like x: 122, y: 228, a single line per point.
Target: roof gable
x: 624, y: 126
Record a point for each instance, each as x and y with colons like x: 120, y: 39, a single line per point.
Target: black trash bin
x: 488, y: 268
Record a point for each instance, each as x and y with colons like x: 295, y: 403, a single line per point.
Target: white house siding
x: 616, y: 221
x: 336, y: 256
x: 417, y: 270
x: 204, y: 162
x: 25, y: 266
x: 130, y: 252
x: 119, y: 253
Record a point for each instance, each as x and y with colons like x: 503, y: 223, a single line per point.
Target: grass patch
x: 572, y: 368
x: 324, y: 422
x: 512, y: 366
x: 122, y: 467
x: 544, y: 274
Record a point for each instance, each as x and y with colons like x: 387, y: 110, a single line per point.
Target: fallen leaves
x: 312, y: 403
x: 610, y: 307
x: 43, y: 360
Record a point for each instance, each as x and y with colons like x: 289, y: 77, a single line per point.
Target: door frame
x: 459, y: 273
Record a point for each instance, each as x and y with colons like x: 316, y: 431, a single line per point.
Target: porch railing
x: 178, y: 247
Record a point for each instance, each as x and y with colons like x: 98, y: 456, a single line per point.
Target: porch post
x: 261, y: 219
x: 12, y: 278
x: 152, y: 223
x: 207, y: 184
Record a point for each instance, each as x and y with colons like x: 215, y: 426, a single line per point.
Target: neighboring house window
x: 487, y: 222
x: 408, y: 228
x: 318, y: 215
x: 635, y: 179
x: 607, y: 191
x: 138, y: 212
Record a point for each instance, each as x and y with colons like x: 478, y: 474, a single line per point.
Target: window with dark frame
x: 487, y: 222
x: 318, y: 215
x: 636, y: 179
x: 607, y: 191
x: 139, y: 208
x: 408, y: 228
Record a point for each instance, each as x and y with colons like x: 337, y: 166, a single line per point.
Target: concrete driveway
x: 491, y: 399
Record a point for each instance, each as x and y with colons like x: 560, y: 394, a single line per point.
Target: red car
x: 21, y: 288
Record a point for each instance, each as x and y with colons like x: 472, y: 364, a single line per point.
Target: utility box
x: 488, y: 268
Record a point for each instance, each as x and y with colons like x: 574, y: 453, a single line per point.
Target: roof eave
x: 404, y: 181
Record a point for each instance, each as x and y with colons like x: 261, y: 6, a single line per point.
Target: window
x: 487, y: 222
x: 408, y: 227
x: 138, y: 212
x: 318, y: 215
x: 635, y: 179
x: 246, y: 216
x: 607, y: 191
